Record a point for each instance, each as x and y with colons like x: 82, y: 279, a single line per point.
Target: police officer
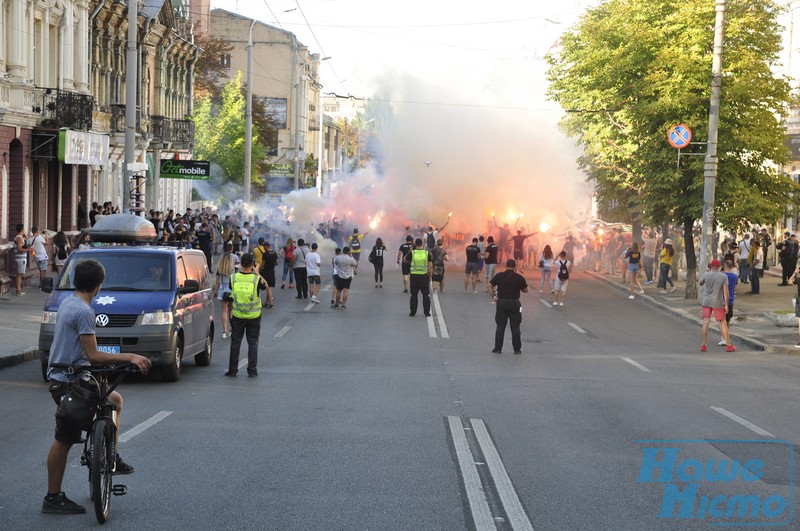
x: 509, y: 284
x: 246, y: 320
x: 420, y: 267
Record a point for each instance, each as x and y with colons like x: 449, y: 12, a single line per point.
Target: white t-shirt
x: 38, y: 247
x: 313, y: 262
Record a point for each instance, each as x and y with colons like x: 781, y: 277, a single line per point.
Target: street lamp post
x: 248, y: 116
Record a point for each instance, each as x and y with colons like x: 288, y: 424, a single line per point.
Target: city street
x: 370, y: 419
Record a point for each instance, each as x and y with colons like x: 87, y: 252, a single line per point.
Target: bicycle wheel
x: 101, y: 466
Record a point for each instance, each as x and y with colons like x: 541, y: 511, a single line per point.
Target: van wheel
x: 204, y: 358
x: 172, y: 372
x: 44, y: 370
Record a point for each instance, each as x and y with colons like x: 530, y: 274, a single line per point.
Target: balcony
x: 178, y: 134
x: 118, y: 119
x: 62, y: 108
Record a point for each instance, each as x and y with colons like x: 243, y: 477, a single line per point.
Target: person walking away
x: 21, y: 252
x: 730, y: 271
x: 313, y: 265
x: 245, y: 232
x: 756, y: 264
x: 354, y: 242
x: 438, y: 257
x: 300, y: 271
x: 665, y: 265
x: 744, y: 252
x: 269, y: 260
x: 204, y: 237
x: 634, y: 257
x: 649, y: 255
x: 765, y: 242
x: 287, y: 253
x: 421, y: 267
x: 508, y: 308
x: 75, y: 346
x: 376, y: 259
x: 433, y: 233
x: 62, y: 249
x: 546, y: 265
x: 345, y: 266
x: 481, y: 259
x: 246, y: 320
x: 490, y: 256
x: 222, y: 287
x: 40, y: 253
x: 472, y: 269
x: 791, y: 254
x: 405, y: 267
x: 334, y: 278
x: 783, y: 253
x: 562, y: 267
x: 714, y: 299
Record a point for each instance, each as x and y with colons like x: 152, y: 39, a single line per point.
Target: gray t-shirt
x: 299, y: 258
x: 75, y: 319
x: 344, y: 264
x: 714, y: 289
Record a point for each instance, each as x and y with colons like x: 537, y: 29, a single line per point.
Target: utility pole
x: 248, y: 117
x: 131, y: 82
x: 710, y: 168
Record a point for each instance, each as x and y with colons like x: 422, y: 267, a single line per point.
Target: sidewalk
x: 19, y: 326
x: 763, y: 322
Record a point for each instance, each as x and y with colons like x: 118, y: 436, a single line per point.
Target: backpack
x: 431, y: 241
x: 355, y: 243
x: 563, y: 270
x: 61, y: 252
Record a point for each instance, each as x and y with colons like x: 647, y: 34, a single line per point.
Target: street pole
x: 710, y: 168
x: 319, y: 157
x: 131, y: 83
x: 248, y: 117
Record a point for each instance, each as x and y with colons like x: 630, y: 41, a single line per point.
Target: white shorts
x: 560, y: 285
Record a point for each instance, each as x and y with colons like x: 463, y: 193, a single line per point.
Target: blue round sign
x: 679, y: 136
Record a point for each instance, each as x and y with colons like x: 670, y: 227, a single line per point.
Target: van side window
x: 180, y: 272
x: 196, y: 269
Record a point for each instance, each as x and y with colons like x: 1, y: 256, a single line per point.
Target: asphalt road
x: 360, y: 419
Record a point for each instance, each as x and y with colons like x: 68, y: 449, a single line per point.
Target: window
x: 196, y: 270
x: 181, y: 272
x: 127, y: 272
x: 225, y: 60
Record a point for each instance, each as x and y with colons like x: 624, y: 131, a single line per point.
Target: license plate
x: 109, y: 350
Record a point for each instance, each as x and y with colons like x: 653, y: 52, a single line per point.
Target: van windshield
x: 127, y: 272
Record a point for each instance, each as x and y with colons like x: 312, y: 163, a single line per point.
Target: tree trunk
x: 691, y: 259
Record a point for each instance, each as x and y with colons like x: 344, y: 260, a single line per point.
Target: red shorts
x: 719, y: 313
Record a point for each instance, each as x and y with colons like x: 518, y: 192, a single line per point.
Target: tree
x: 220, y: 133
x: 632, y: 68
x: 210, y: 69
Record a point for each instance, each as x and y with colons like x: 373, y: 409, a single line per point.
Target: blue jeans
x: 287, y: 270
x: 663, y: 276
x: 743, y: 273
x: 755, y: 279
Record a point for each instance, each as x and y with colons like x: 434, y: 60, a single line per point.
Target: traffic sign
x: 679, y: 136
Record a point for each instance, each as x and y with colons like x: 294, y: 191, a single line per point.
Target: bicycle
x: 100, y: 446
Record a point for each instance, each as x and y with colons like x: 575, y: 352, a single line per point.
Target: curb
x: 748, y: 341
x: 20, y: 356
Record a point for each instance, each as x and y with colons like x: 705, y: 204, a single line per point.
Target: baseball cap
x: 248, y: 260
x: 668, y: 242
x: 715, y: 263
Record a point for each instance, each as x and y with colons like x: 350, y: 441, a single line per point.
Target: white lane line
x: 636, y: 364
x: 326, y: 287
x: 310, y: 305
x: 577, y: 328
x: 440, y: 317
x: 478, y: 506
x: 431, y: 326
x: 746, y: 423
x: 283, y: 331
x: 243, y: 363
x: 136, y: 430
x: 546, y: 304
x: 505, y: 489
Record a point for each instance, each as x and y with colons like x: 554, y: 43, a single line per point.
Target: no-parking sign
x: 679, y: 136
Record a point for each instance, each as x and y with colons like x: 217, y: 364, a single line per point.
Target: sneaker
x: 703, y: 348
x: 561, y: 304
x: 121, y: 467
x: 283, y: 285
x: 342, y: 307
x: 674, y: 289
x: 60, y: 504
x: 474, y: 291
x: 648, y: 282
x: 225, y: 335
x: 797, y: 345
x: 314, y: 299
x: 495, y: 351
x: 376, y: 285
x: 270, y: 306
x: 405, y: 290
x: 662, y: 291
x: 335, y: 306
x: 730, y: 348
x: 252, y: 374
x: 517, y: 352
x: 380, y: 285
x: 721, y: 343
x: 291, y: 286
x: 332, y: 303
x: 630, y: 296
x: 232, y: 374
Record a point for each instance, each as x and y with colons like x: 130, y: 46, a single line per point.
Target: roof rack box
x: 123, y: 228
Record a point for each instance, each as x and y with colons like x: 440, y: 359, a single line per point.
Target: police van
x: 156, y: 301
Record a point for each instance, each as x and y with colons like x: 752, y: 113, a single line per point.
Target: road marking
x: 440, y: 317
x: 505, y: 489
x: 746, y: 423
x: 431, y: 326
x: 326, y: 287
x: 546, y: 304
x: 578, y: 328
x: 637, y: 365
x: 136, y: 430
x: 243, y: 363
x: 283, y: 331
x: 478, y: 506
x: 310, y: 305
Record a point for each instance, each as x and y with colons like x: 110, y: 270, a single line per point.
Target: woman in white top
x: 546, y: 263
x: 223, y: 287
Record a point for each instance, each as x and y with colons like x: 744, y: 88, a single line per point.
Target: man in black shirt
x: 269, y: 259
x: 490, y: 258
x: 404, y: 250
x: 509, y: 284
x: 204, y: 242
x: 471, y: 269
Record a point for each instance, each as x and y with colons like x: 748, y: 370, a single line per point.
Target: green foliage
x: 220, y: 134
x: 631, y: 69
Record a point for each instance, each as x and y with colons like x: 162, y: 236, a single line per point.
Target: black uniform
x: 509, y: 285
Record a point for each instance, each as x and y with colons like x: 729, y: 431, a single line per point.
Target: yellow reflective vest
x: 419, y: 262
x: 246, y: 302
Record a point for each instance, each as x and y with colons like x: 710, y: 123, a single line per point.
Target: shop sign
x: 82, y: 147
x: 199, y: 170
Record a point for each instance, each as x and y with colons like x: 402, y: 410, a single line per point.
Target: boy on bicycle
x: 75, y: 345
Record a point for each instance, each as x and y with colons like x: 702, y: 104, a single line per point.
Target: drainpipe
x: 100, y: 6
x: 191, y: 79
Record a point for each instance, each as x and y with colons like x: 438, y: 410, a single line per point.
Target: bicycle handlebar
x: 108, y: 370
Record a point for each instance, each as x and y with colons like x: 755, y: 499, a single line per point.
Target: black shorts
x: 356, y: 256
x: 269, y: 276
x: 343, y: 283
x: 406, y: 268
x: 65, y: 433
x: 315, y: 279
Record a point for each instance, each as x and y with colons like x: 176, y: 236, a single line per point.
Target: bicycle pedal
x: 84, y: 461
x: 119, y: 490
